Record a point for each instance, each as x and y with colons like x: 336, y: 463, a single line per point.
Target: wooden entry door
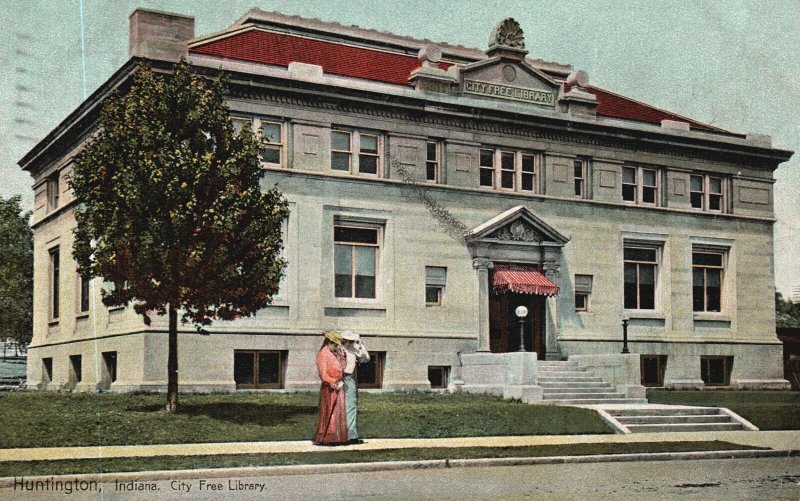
x: 504, y: 324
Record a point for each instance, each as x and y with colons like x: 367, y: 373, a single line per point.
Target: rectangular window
x: 110, y: 366
x: 583, y: 289
x: 370, y: 374
x: 76, y: 372
x: 433, y: 162
x: 487, y: 168
x: 706, y: 193
x: 55, y: 273
x: 435, y: 280
x: 355, y: 261
x: 716, y: 370
x: 579, y: 168
x: 363, y: 146
x: 47, y: 369
x: 238, y: 123
x: 272, y: 143
x: 708, y: 268
x: 53, y: 191
x: 507, y: 172
x: 529, y: 174
x: 641, y: 272
x: 83, y: 299
x: 368, y: 154
x: 258, y: 369
x: 340, y: 151
x: 640, y: 185
x: 439, y: 376
x: 653, y: 368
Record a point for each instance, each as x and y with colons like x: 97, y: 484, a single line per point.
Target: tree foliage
x: 787, y: 314
x: 171, y: 195
x: 16, y: 272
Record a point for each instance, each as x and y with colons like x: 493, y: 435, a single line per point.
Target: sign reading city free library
x: 509, y: 92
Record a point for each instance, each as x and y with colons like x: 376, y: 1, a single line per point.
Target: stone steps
x: 675, y: 419
x: 595, y: 401
x: 569, y: 379
x: 579, y: 389
x: 583, y: 396
x: 683, y: 427
x: 710, y: 418
x: 573, y: 384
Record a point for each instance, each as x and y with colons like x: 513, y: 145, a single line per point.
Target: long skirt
x: 351, y: 404
x: 332, y: 422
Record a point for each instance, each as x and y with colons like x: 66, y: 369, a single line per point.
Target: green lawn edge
x: 165, y: 463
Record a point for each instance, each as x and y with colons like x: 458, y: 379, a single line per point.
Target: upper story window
x: 579, y: 174
x: 433, y: 163
x: 708, y: 268
x: 641, y: 264
x: 435, y: 281
x: 272, y: 133
x: 706, y: 193
x: 83, y: 294
x: 640, y: 185
x: 355, y: 266
x: 509, y: 170
x: 272, y: 142
x: 53, y: 191
x: 356, y: 152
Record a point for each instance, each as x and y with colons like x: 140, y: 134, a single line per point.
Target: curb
x: 7, y: 482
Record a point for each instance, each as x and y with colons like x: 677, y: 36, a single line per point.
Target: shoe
x: 354, y: 441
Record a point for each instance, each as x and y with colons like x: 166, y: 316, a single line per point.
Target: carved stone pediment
x: 516, y: 225
x: 518, y: 230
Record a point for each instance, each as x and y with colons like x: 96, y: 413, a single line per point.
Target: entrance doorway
x: 504, y: 324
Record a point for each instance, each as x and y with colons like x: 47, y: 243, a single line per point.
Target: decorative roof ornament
x: 507, y: 33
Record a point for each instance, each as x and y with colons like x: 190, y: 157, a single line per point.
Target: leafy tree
x: 171, y: 211
x: 16, y: 272
x: 787, y: 314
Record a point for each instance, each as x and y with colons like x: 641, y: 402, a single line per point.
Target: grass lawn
x: 41, y: 419
x: 768, y: 410
x: 20, y: 468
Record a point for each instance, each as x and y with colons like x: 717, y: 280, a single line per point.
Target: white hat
x: 350, y: 336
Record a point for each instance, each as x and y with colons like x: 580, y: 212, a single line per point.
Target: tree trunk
x: 172, y: 361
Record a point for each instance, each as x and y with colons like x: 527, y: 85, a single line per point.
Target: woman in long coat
x: 332, y: 423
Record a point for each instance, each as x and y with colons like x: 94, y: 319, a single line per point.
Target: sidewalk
x: 777, y: 440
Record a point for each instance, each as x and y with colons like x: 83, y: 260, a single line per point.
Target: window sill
x: 711, y: 317
x: 53, y: 322
x: 644, y: 314
x: 82, y: 315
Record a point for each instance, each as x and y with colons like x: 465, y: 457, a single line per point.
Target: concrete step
x: 665, y: 411
x: 570, y: 379
x: 594, y: 401
x: 579, y: 388
x: 682, y: 427
x: 711, y: 418
x: 581, y: 396
x: 572, y: 384
x: 561, y: 368
x: 558, y: 363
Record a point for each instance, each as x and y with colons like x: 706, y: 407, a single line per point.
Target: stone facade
x: 522, y: 167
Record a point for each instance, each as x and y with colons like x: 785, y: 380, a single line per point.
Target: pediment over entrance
x: 517, y: 224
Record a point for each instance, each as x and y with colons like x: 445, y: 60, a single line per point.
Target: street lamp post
x: 521, y: 312
x: 625, y: 335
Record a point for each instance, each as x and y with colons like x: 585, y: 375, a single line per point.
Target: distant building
x: 434, y: 189
x: 796, y: 295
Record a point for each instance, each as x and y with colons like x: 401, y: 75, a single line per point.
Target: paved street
x: 730, y: 479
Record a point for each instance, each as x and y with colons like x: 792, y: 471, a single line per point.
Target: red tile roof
x: 338, y: 59
x: 280, y: 49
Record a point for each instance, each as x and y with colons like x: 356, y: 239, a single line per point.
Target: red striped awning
x: 523, y: 279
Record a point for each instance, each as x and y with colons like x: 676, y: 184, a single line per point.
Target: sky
x: 729, y: 63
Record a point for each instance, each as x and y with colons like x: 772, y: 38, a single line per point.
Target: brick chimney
x: 159, y: 35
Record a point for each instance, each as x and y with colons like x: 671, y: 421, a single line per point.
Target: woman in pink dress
x: 332, y: 423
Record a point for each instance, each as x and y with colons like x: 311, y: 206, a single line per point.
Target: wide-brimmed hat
x: 333, y: 336
x: 350, y: 336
